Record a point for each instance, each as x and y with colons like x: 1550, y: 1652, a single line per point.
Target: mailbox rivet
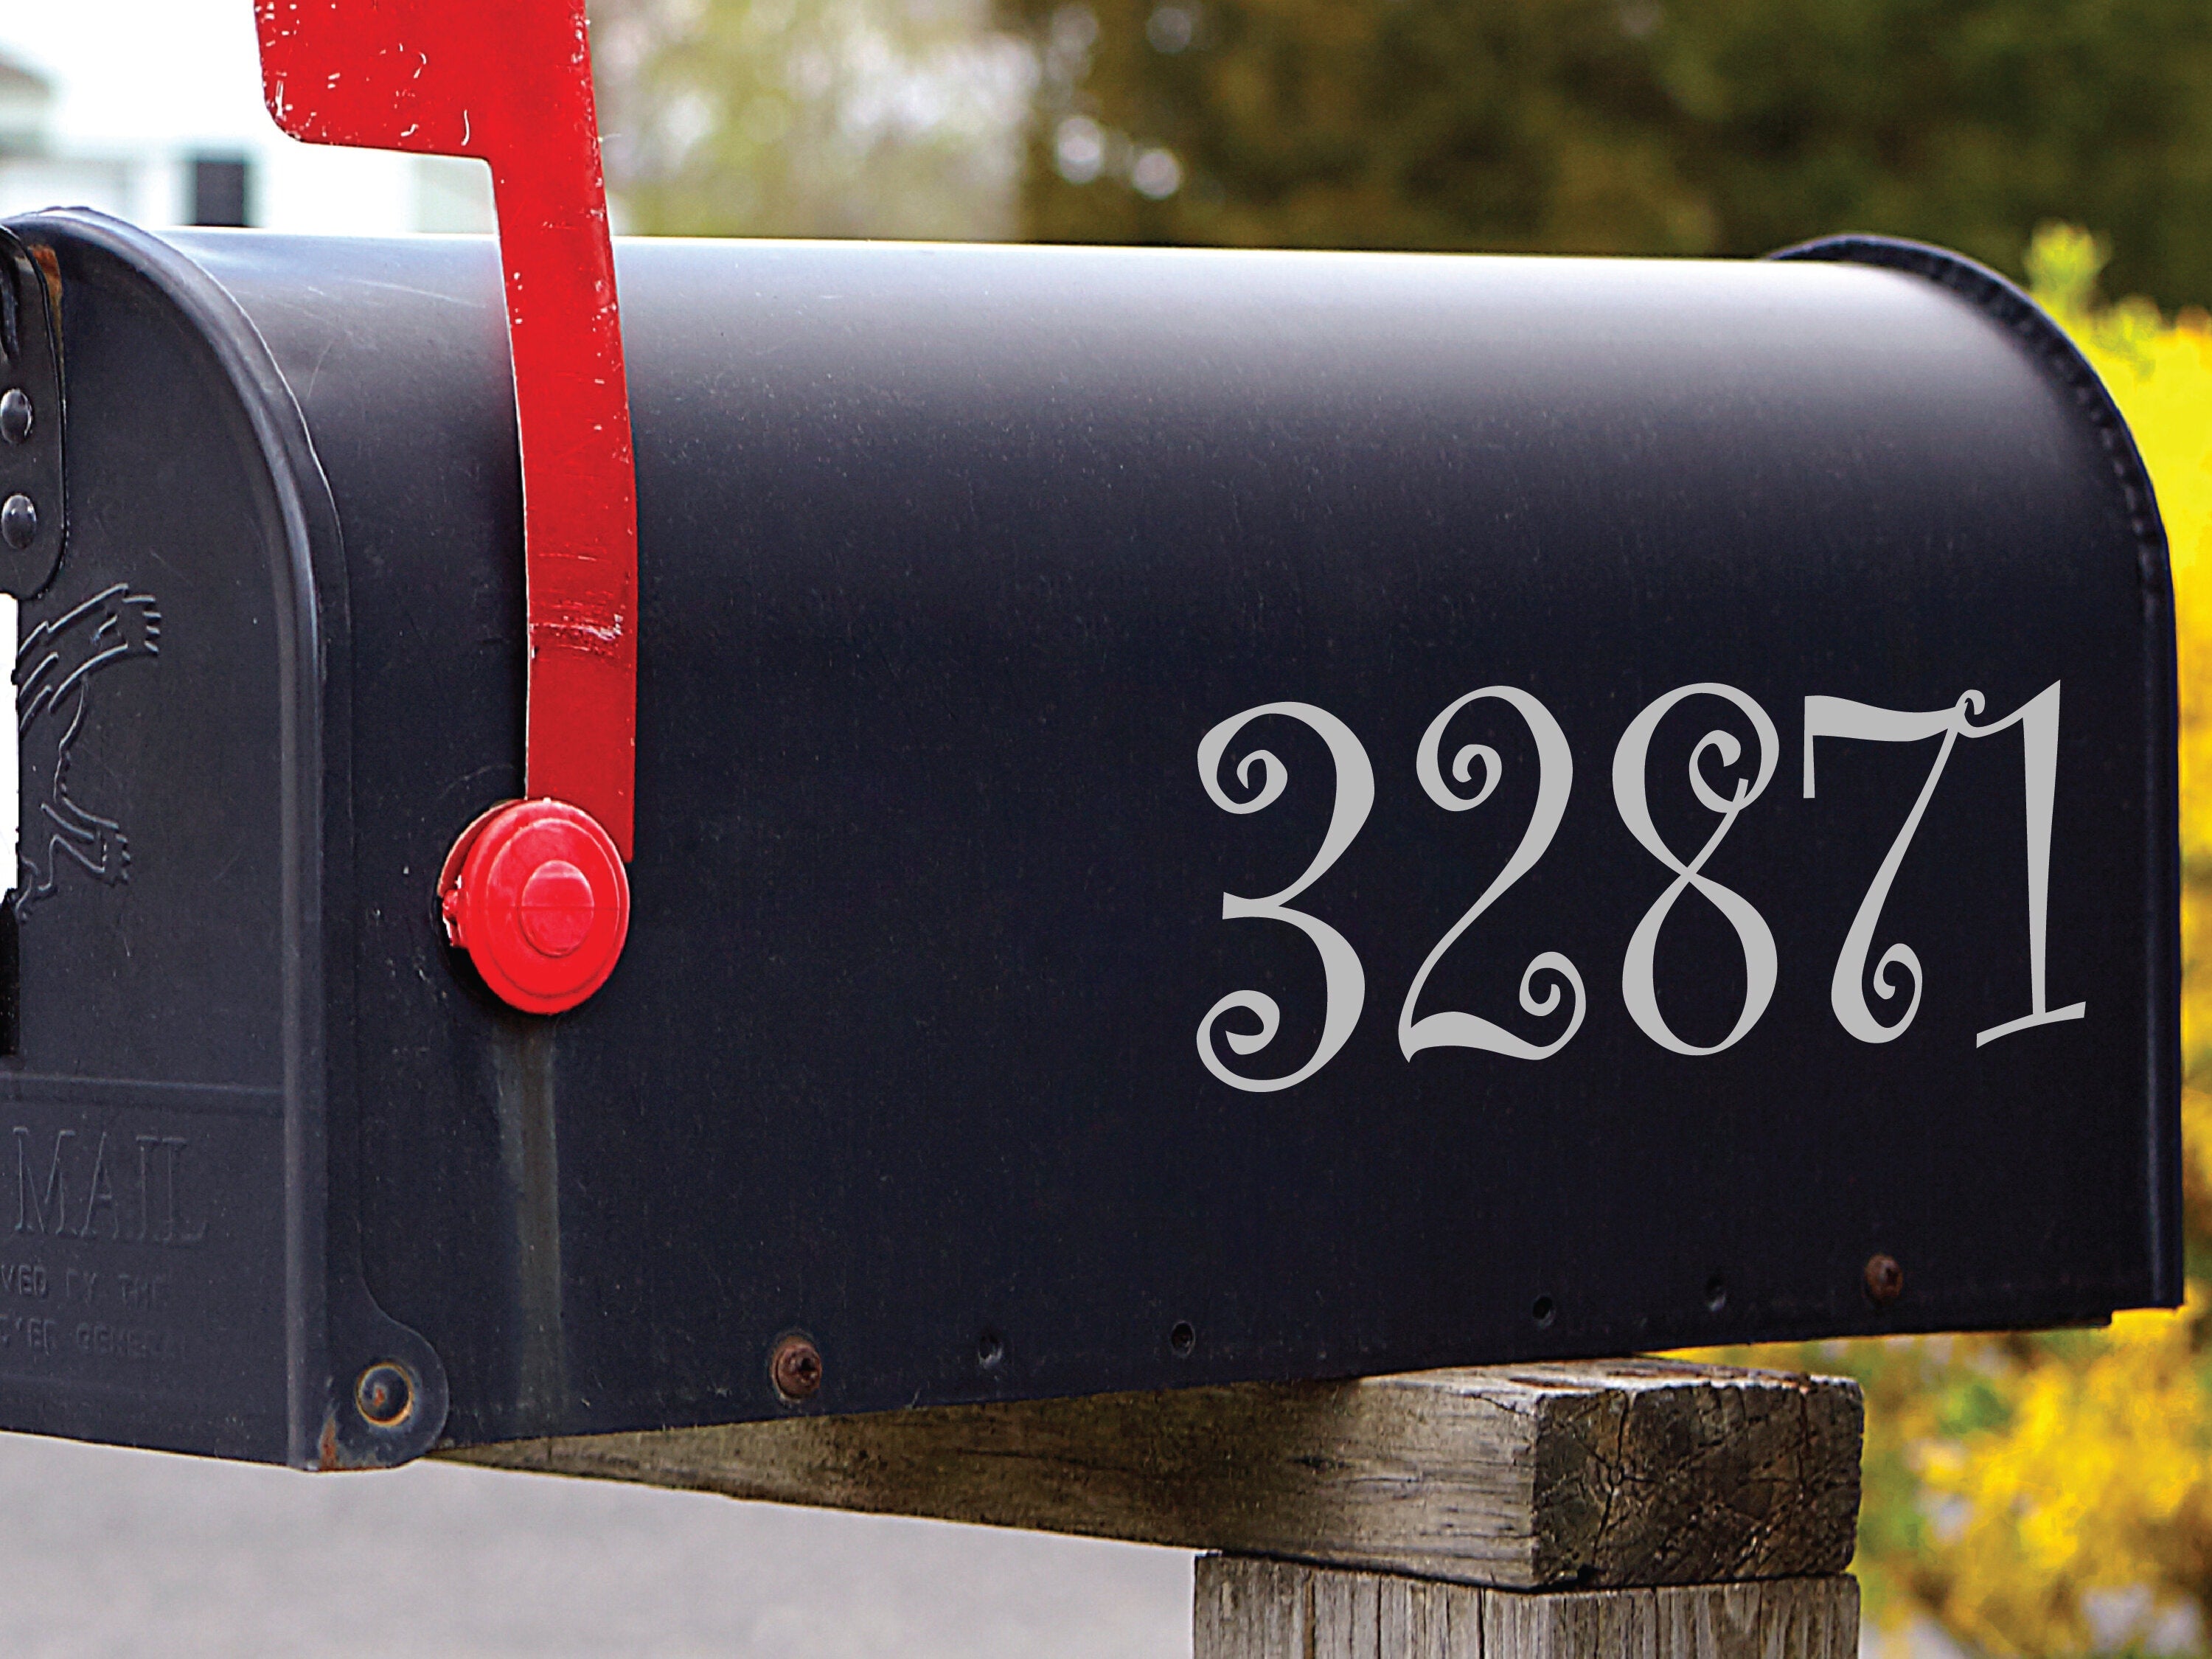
x: 14, y: 415
x: 385, y: 1395
x: 795, y: 1368
x: 19, y: 522
x: 1885, y: 1279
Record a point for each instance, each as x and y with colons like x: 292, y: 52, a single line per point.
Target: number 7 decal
x: 2038, y: 720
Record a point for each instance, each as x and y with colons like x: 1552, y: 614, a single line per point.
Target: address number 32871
x: 1550, y: 976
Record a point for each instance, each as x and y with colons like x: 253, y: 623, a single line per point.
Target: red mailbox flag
x: 510, y: 81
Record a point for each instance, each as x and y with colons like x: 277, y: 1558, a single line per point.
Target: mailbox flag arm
x: 534, y: 890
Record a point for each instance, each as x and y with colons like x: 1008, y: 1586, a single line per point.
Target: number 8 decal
x: 1760, y: 964
x: 1555, y: 775
x: 1345, y: 981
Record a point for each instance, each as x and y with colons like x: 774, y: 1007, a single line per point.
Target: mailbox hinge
x: 34, y: 496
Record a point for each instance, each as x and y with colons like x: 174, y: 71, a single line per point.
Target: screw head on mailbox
x: 1202, y: 816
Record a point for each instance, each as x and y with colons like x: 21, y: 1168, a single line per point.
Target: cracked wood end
x: 1525, y: 1477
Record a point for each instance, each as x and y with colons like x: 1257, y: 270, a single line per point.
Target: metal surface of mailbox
x: 1200, y: 816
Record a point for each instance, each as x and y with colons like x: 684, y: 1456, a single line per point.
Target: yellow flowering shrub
x: 2051, y: 1493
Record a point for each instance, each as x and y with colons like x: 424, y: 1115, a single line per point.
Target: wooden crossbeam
x: 1599, y: 1475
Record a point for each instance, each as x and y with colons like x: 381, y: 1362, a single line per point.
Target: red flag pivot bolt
x: 535, y: 892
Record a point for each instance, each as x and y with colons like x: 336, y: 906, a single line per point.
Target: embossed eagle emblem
x: 55, y: 665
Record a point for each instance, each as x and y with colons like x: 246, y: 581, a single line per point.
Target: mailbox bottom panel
x: 142, y: 1279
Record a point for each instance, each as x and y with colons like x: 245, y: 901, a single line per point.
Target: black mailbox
x: 1200, y: 816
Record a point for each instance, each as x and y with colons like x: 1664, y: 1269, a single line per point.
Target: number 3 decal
x: 1346, y: 982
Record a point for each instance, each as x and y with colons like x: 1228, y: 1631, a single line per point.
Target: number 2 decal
x: 1555, y: 775
x: 1345, y: 981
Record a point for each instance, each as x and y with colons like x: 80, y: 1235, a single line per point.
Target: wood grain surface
x: 1589, y: 1475
x: 1246, y: 1607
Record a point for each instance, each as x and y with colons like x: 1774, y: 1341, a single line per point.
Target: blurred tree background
x: 1600, y: 126
x: 812, y: 117
x: 1630, y: 126
x: 2033, y: 1495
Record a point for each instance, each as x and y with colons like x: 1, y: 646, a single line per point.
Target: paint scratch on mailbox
x: 54, y: 667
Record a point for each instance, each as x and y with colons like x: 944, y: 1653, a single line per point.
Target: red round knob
x: 536, y: 893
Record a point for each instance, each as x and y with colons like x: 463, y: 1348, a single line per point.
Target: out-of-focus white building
x: 151, y: 110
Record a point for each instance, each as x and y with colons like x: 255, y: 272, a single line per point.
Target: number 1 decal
x: 1346, y: 982
x: 2038, y: 720
x: 2038, y: 738
x: 1555, y: 775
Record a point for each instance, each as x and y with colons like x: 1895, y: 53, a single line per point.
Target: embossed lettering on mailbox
x: 63, y: 1190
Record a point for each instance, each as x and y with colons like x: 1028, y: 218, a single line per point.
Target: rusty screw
x: 385, y: 1395
x: 795, y: 1368
x: 1885, y: 1279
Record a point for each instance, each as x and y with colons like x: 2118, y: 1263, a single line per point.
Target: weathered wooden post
x: 1641, y: 1509
x: 1666, y: 1513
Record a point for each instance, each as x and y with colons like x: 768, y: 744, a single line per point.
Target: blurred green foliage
x: 810, y: 118
x: 1629, y: 126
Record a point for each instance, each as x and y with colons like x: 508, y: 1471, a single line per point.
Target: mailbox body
x: 937, y: 1035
